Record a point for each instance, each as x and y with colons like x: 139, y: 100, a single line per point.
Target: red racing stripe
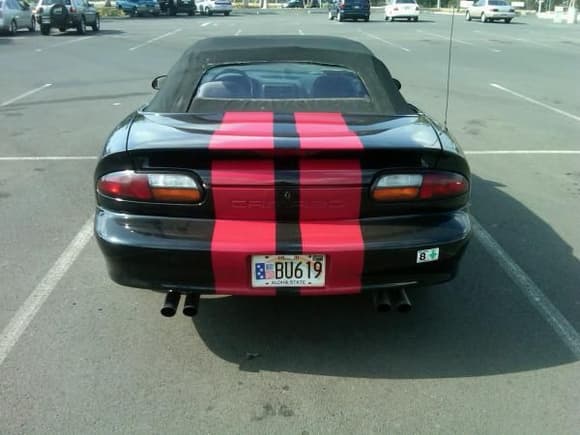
x: 234, y: 239
x: 325, y: 131
x: 335, y: 232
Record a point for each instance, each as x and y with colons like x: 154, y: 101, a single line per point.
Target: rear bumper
x: 162, y: 253
x: 497, y: 15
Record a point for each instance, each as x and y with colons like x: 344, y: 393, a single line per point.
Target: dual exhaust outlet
x: 393, y: 299
x: 190, y: 307
x: 383, y: 300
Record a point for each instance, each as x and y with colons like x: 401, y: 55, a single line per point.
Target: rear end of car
x: 499, y: 10
x: 402, y: 9
x: 249, y: 214
x: 354, y: 9
x: 60, y: 14
x: 222, y: 7
x: 5, y: 17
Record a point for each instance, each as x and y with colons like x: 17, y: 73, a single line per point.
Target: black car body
x: 173, y: 7
x: 349, y: 10
x: 291, y: 150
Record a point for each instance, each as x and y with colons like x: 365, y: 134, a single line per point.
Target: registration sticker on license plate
x: 288, y: 270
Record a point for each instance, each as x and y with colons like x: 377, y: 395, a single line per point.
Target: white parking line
x: 541, y: 152
x: 26, y: 94
x: 60, y: 44
x: 238, y: 32
x: 41, y: 158
x: 207, y: 23
x: 30, y: 307
x: 370, y: 35
x: 446, y: 38
x: 539, y: 103
x: 535, y: 295
x: 300, y: 31
x: 165, y: 35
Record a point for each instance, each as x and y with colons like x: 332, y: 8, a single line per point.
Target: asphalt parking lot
x: 494, y: 351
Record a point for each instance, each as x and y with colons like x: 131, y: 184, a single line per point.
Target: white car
x: 210, y: 7
x: 402, y: 9
x: 15, y: 15
x: 490, y: 10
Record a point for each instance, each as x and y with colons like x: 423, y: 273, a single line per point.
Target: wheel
x: 366, y: 19
x: 415, y: 19
x: 97, y: 25
x: 32, y: 26
x: 13, y: 28
x: 190, y: 13
x: 508, y: 20
x: 208, y: 12
x: 172, y: 11
x: 82, y: 26
x: 483, y: 18
x: 62, y: 29
x: 467, y: 16
x: 330, y: 16
x: 227, y: 14
x: 45, y: 29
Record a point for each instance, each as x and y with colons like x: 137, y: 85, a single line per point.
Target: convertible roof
x: 178, y: 89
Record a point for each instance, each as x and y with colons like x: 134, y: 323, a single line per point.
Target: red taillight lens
x: 407, y: 187
x: 150, y: 187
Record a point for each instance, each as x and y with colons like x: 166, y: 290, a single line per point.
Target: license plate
x: 357, y: 7
x: 288, y: 270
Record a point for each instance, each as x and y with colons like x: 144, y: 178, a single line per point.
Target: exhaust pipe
x: 382, y: 301
x: 171, y: 302
x: 401, y: 301
x: 191, y: 305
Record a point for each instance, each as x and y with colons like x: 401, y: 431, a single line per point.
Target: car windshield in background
x: 497, y: 3
x: 55, y: 2
x: 281, y: 81
x: 406, y: 1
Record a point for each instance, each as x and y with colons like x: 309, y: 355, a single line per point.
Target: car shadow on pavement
x: 479, y: 324
x: 74, y: 33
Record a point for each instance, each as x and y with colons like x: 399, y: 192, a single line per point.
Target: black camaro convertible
x: 281, y: 165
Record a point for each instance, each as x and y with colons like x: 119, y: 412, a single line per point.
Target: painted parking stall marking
x: 165, y: 35
x: 536, y: 102
x: 26, y: 94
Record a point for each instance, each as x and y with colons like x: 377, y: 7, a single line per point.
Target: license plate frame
x: 265, y: 276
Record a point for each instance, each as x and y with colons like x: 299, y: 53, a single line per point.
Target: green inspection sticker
x: 427, y: 255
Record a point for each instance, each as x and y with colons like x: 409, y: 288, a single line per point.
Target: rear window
x: 405, y: 1
x: 497, y: 3
x: 281, y: 81
x: 55, y: 2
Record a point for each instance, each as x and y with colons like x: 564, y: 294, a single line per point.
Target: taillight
x: 155, y: 187
x: 72, y: 9
x: 408, y: 187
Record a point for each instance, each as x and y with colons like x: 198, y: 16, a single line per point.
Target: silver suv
x: 14, y: 15
x: 67, y: 14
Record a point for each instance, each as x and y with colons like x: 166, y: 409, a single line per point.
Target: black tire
x: 32, y: 27
x: 97, y: 25
x: 82, y: 26
x: 330, y: 16
x: 45, y: 29
x: 172, y: 11
x: 415, y: 19
x: 13, y: 28
x: 62, y: 29
x: 483, y: 18
x: 467, y: 16
x: 508, y: 20
x: 366, y: 19
x: 208, y: 12
x: 227, y: 14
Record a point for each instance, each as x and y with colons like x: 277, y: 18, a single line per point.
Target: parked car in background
x: 15, y: 15
x: 490, y: 10
x: 210, y: 7
x: 293, y: 4
x: 139, y: 7
x: 174, y: 7
x: 67, y: 14
x: 349, y: 10
x: 401, y: 9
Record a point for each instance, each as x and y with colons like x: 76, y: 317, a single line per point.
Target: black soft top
x: 176, y: 94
